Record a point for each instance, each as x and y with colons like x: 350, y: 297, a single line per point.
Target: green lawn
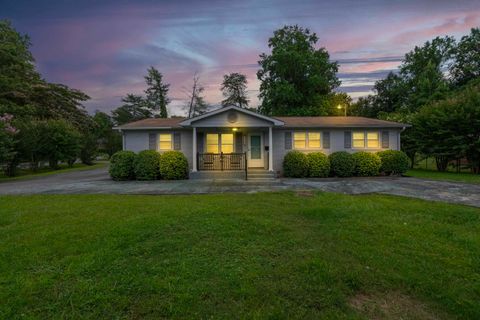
x: 445, y: 176
x: 267, y: 255
x: 26, y: 174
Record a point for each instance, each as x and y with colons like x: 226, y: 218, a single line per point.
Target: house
x: 234, y: 140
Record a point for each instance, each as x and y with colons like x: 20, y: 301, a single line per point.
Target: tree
x: 466, y: 65
x: 234, y: 89
x: 59, y: 141
x: 197, y: 104
x: 7, y: 141
x: 134, y: 108
x: 296, y: 77
x: 157, y: 92
x: 109, y: 140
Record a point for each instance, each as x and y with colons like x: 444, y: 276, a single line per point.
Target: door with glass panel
x: 255, y: 150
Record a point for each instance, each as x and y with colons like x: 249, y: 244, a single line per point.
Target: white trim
x: 188, y: 122
x: 194, y: 150
x: 270, y: 149
x: 261, y: 161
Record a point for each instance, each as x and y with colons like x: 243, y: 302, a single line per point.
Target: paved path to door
x: 97, y: 181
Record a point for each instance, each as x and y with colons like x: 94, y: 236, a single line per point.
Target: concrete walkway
x: 97, y: 181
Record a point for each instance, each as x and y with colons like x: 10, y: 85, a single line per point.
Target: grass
x: 444, y: 176
x: 28, y: 173
x: 266, y: 255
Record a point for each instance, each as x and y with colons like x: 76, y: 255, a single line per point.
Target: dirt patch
x: 391, y: 305
x: 305, y: 193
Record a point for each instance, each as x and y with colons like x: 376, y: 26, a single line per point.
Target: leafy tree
x: 134, y: 108
x: 466, y: 65
x: 234, y: 89
x: 59, y: 141
x: 7, y: 141
x: 296, y: 77
x: 157, y: 92
x: 109, y: 140
x: 197, y: 104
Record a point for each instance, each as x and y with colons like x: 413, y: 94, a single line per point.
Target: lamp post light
x: 342, y: 107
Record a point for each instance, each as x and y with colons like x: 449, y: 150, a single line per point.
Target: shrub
x: 147, y: 165
x: 342, y: 164
x: 366, y: 164
x: 318, y: 164
x: 394, y: 162
x: 295, y: 164
x: 122, y: 165
x: 173, y: 166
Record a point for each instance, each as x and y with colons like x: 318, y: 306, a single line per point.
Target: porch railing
x: 222, y: 162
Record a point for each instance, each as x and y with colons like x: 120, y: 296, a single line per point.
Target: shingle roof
x: 153, y: 123
x: 340, y: 122
x: 290, y: 122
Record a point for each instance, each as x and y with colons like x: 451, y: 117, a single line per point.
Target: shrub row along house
x: 233, y: 141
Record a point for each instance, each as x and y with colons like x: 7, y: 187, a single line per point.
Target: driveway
x: 97, y: 181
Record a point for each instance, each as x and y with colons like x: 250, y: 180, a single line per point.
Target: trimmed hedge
x: 318, y: 164
x: 173, y: 166
x: 394, y: 162
x: 147, y: 165
x: 342, y: 164
x: 295, y: 165
x: 122, y: 165
x: 366, y: 164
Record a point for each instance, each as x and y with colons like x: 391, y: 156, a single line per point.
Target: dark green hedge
x: 394, y: 162
x: 318, y: 164
x: 147, y: 165
x: 366, y: 164
x: 122, y: 165
x: 342, y: 164
x: 173, y: 166
x: 295, y: 165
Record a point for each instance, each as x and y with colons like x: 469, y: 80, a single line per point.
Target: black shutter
x: 152, y: 141
x: 326, y: 140
x: 177, y: 141
x: 200, y: 142
x: 385, y: 139
x: 238, y: 142
x: 347, y: 141
x: 288, y: 140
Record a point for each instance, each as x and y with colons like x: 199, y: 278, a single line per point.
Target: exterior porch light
x: 234, y: 129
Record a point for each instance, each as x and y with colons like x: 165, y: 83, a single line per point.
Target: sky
x: 105, y: 47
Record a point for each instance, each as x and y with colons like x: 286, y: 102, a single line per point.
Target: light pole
x: 344, y: 107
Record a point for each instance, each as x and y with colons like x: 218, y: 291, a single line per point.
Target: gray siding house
x: 235, y: 139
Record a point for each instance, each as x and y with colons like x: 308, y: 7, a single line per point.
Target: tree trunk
x: 442, y: 163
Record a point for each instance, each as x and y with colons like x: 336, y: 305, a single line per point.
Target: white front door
x: 255, y: 150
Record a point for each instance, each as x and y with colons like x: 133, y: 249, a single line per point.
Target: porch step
x: 256, y: 174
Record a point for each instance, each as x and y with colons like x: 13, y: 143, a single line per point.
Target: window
x: 227, y: 142
x: 299, y: 140
x: 164, y: 141
x: 372, y: 140
x: 212, y: 143
x: 314, y: 140
x: 358, y: 139
x: 306, y: 140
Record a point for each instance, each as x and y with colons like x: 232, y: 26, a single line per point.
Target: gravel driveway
x: 97, y: 181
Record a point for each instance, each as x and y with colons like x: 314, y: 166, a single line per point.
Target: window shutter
x: 347, y: 141
x: 152, y: 141
x: 288, y: 140
x: 385, y: 139
x: 177, y: 141
x: 238, y: 142
x: 200, y: 142
x: 326, y: 140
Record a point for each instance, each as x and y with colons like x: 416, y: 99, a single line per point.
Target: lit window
x: 299, y: 140
x: 212, y: 143
x: 359, y: 139
x: 227, y: 142
x: 314, y: 140
x: 164, y: 141
x: 372, y: 140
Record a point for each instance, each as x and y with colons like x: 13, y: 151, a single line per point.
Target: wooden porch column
x: 194, y: 150
x: 270, y: 149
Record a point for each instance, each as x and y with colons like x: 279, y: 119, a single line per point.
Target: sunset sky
x: 104, y: 49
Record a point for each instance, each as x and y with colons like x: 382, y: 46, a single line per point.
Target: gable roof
x: 189, y: 121
x: 339, y: 122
